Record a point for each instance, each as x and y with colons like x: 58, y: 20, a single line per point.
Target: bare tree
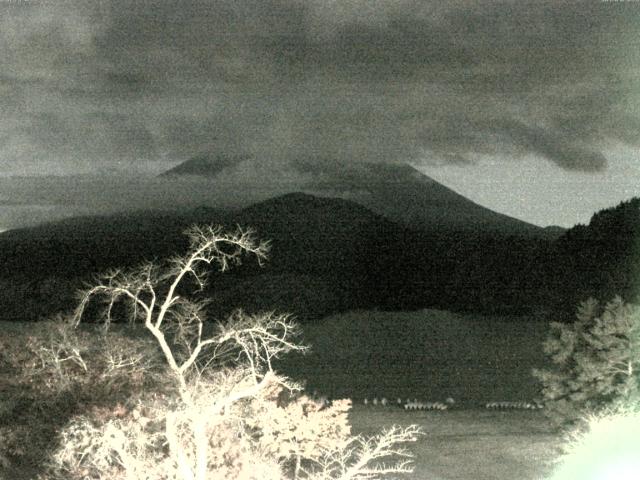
x: 363, y: 458
x: 220, y: 379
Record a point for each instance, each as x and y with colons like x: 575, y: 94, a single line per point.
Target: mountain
x: 403, y: 194
x: 206, y: 164
x: 330, y: 255
x: 327, y: 255
x: 319, y: 235
x: 399, y: 192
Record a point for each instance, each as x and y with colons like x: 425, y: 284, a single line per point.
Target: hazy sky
x: 532, y: 109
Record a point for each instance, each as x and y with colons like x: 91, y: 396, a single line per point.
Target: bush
x: 55, y: 370
x: 596, y: 358
x: 206, y: 402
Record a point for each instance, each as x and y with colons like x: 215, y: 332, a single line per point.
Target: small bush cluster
x: 425, y: 406
x: 513, y: 405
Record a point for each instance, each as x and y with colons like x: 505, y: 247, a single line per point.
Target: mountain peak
x: 206, y: 164
x: 406, y: 195
x: 397, y: 191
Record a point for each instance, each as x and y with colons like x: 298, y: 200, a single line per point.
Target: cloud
x: 87, y: 142
x: 90, y: 86
x: 548, y: 144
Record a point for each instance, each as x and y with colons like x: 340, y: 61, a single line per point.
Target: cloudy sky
x: 532, y: 109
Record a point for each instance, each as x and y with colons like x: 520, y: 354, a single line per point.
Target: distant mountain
x: 398, y: 191
x: 403, y: 194
x: 326, y: 255
x: 319, y: 235
x: 206, y: 164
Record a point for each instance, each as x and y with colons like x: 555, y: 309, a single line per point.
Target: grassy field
x: 433, y: 355
x: 471, y: 444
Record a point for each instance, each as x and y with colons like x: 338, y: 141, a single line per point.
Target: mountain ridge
x: 329, y: 247
x: 329, y: 255
x: 397, y: 191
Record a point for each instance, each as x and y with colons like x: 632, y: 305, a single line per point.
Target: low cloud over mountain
x: 90, y: 86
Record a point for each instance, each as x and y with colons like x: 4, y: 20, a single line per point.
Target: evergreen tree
x: 596, y: 360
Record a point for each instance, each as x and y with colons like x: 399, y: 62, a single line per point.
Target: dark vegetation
x: 330, y: 255
x: 595, y: 362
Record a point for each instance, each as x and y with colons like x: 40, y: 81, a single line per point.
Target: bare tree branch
x: 219, y: 377
x: 363, y: 459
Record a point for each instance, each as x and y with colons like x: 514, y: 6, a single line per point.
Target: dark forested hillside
x: 41, y: 267
x: 330, y: 250
x: 332, y: 255
x: 598, y: 260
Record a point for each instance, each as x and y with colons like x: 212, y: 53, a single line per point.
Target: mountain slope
x: 398, y: 191
x: 320, y: 235
x: 600, y: 260
x: 330, y: 255
x: 402, y: 193
x: 327, y: 255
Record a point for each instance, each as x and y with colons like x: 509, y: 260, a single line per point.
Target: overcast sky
x: 532, y: 109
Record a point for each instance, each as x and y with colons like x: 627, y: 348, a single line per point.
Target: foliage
x: 51, y: 374
x: 212, y: 405
x: 360, y: 458
x: 281, y: 433
x: 596, y: 359
x: 598, y: 260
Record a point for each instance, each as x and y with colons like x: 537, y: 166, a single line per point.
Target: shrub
x: 54, y: 370
x: 213, y: 406
x: 596, y: 360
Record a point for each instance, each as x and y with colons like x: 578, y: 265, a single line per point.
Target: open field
x: 432, y: 355
x: 471, y: 444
